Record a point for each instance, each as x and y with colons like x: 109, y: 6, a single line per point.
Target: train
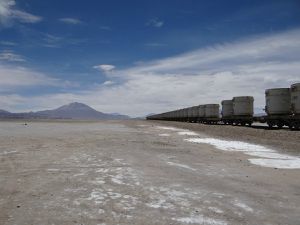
x: 282, y: 109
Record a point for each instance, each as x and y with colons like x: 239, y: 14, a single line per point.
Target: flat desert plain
x: 147, y: 172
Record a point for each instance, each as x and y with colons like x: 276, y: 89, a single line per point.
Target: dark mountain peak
x: 74, y: 110
x: 115, y: 114
x: 3, y: 111
x: 75, y: 106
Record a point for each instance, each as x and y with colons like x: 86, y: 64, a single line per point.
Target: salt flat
x: 143, y: 172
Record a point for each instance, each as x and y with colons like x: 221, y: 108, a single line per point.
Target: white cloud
x: 11, y: 56
x: 52, y: 41
x: 49, y: 38
x: 108, y: 82
x: 72, y: 21
x: 25, y: 17
x: 105, y: 68
x: 5, y: 10
x: 15, y: 77
x: 155, y: 44
x: 209, y: 75
x: 10, y: 102
x: 155, y: 23
x: 8, y: 43
x: 279, y: 47
x: 9, y: 13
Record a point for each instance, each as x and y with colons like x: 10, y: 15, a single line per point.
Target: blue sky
x: 138, y: 57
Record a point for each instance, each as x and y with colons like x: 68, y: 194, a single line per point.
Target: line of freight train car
x: 282, y: 109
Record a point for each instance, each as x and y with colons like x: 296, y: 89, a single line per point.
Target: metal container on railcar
x: 212, y: 111
x: 185, y: 113
x: 180, y: 114
x: 278, y: 101
x: 227, y: 108
x: 176, y: 115
x: 201, y: 111
x: 195, y: 111
x: 190, y: 112
x: 295, y: 98
x: 243, y: 106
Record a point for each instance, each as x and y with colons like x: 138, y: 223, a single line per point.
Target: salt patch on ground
x: 53, y: 170
x: 179, y: 131
x: 170, y: 128
x: 9, y: 152
x: 181, y: 165
x: 277, y: 163
x: 164, y: 135
x: 158, y: 204
x: 230, y: 145
x: 188, y: 133
x: 216, y: 210
x: 98, y: 196
x: 173, y: 197
x: 243, y: 206
x: 268, y: 157
x: 79, y: 174
x: 199, y: 219
x: 118, y: 179
x: 98, y: 181
x: 114, y: 195
x: 271, y: 155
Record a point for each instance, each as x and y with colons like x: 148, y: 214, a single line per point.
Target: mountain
x: 115, y: 114
x: 73, y: 110
x: 4, y: 113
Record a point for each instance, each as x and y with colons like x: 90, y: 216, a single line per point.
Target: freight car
x: 278, y: 107
x: 282, y: 109
x: 294, y: 120
x: 238, y: 111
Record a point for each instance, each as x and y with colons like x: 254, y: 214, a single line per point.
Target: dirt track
x: 133, y: 172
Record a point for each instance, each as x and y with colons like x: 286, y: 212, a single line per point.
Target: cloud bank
x: 72, y: 21
x: 155, y: 22
x: 207, y: 75
x: 14, y: 78
x: 105, y: 68
x: 10, y: 56
x: 9, y: 14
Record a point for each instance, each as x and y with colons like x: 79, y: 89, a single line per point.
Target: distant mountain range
x: 75, y: 110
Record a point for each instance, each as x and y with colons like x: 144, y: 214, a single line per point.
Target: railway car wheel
x: 280, y: 125
x: 270, y: 124
x: 291, y: 126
